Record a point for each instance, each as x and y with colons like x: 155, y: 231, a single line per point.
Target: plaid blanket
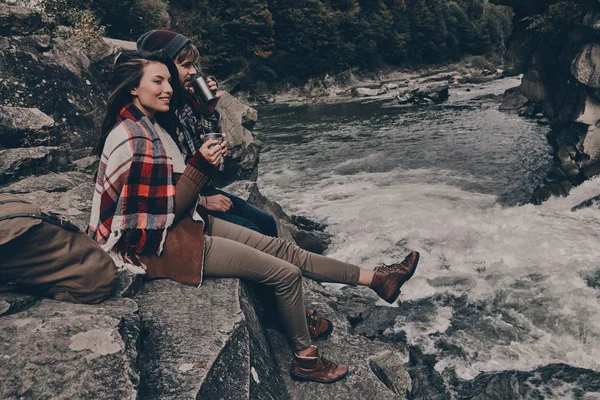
x: 135, y: 192
x: 192, y: 124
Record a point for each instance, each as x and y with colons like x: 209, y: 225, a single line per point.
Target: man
x: 198, y: 119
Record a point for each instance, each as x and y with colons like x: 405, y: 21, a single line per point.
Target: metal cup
x: 202, y: 91
x: 215, y: 136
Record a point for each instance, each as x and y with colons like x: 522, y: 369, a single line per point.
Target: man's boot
x: 315, y: 367
x: 388, y: 279
x: 319, y: 328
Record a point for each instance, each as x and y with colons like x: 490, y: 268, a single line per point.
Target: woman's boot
x: 315, y: 367
x: 388, y: 279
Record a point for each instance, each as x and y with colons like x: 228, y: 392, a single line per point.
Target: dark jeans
x: 244, y: 214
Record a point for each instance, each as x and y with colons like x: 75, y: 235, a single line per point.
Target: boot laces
x: 389, y: 268
x: 328, y: 363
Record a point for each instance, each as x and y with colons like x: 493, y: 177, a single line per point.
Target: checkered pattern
x: 135, y: 190
x: 192, y: 124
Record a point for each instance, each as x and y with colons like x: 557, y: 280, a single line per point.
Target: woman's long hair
x: 127, y: 74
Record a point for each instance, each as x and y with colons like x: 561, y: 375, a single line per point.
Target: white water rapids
x: 532, y: 262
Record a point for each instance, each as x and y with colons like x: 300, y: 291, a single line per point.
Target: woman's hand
x: 218, y: 202
x: 212, y: 151
x: 212, y: 148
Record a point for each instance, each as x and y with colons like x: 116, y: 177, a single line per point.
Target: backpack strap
x: 53, y: 219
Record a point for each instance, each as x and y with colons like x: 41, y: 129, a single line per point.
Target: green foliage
x: 559, y: 17
x: 270, y: 41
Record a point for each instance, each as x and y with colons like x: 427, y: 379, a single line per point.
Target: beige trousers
x: 234, y: 251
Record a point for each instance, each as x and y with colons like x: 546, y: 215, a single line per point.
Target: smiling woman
x: 154, y: 92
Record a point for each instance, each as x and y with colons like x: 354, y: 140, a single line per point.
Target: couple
x: 149, y: 208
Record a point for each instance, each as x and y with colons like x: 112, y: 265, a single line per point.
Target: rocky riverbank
x: 409, y: 87
x: 562, y: 82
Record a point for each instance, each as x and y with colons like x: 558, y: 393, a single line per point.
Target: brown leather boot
x: 315, y: 367
x: 389, y: 279
x: 319, y: 328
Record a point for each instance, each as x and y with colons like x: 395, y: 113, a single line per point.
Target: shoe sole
x: 309, y: 379
x: 325, y: 334
x: 410, y: 274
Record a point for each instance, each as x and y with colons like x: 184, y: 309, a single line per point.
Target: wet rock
x: 585, y: 66
x: 17, y: 20
x: 594, y: 201
x: 513, y: 100
x: 19, y: 162
x: 61, y: 350
x: 24, y: 127
x: 551, y: 381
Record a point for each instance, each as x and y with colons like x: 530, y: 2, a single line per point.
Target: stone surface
x: 389, y: 368
x: 24, y: 127
x: 74, y: 203
x: 237, y: 122
x: 590, y: 112
x: 19, y: 162
x: 203, y: 343
x: 16, y: 20
x: 50, y: 183
x: 68, y: 351
x: 365, y: 92
x: 586, y: 65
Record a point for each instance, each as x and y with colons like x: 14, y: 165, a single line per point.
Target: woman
x: 146, y: 212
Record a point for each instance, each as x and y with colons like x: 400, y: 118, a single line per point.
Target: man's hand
x: 212, y: 151
x: 218, y: 202
x: 212, y: 85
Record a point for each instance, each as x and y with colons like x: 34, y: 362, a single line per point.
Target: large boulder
x: 57, y: 76
x: 586, y: 65
x: 237, y: 122
x: 70, y: 351
x: 19, y: 162
x: 24, y: 127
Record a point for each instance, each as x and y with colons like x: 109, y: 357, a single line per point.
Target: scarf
x: 134, y: 198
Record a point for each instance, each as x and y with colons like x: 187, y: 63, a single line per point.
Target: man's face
x: 186, y: 70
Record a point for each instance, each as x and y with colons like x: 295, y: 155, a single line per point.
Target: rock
x: 435, y: 92
x: 89, y: 163
x: 15, y: 163
x: 49, y: 183
x: 592, y: 20
x: 237, y: 121
x: 559, y: 380
x: 585, y: 66
x: 593, y: 201
x: 24, y: 127
x: 63, y: 351
x: 513, y: 100
x: 389, y: 368
x: 203, y: 343
x: 590, y: 112
x: 365, y: 92
x: 14, y: 302
x: 17, y: 20
x: 591, y: 145
x: 311, y: 239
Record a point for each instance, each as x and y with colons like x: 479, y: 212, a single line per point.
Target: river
x: 451, y: 181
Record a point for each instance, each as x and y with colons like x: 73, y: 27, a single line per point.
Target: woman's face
x: 155, y: 91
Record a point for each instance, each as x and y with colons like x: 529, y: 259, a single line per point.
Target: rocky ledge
x: 561, y: 81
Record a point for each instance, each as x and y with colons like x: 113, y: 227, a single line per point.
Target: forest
x: 275, y: 41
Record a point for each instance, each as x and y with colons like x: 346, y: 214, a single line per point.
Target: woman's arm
x: 189, y: 184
